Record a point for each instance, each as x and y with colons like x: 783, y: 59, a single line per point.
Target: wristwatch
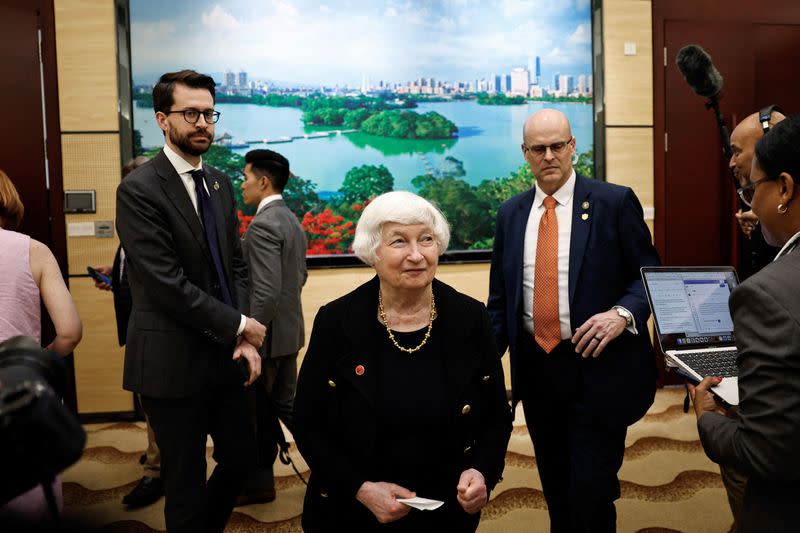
x: 624, y: 313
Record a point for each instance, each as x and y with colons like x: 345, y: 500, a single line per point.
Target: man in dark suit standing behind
x: 177, y: 224
x: 566, y: 297
x: 275, y: 251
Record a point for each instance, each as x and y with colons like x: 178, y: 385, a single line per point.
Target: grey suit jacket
x: 764, y: 442
x: 274, y: 248
x: 180, y: 336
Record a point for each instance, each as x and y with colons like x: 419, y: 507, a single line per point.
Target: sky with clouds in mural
x: 341, y: 42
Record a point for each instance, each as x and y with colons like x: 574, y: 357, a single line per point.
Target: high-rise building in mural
x: 520, y: 81
x: 230, y: 79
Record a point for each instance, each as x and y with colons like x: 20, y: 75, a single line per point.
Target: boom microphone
x: 698, y: 70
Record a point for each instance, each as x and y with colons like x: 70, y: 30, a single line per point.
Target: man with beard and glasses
x: 189, y: 345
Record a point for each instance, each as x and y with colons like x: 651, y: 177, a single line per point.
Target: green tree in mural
x: 459, y: 202
x: 301, y: 197
x: 409, y: 125
x: 224, y: 159
x: 496, y: 191
x: 499, y: 99
x: 585, y: 163
x: 355, y: 117
x: 326, y: 116
x: 365, y: 182
x: 137, y: 143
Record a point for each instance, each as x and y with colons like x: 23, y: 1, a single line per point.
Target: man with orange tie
x: 566, y: 297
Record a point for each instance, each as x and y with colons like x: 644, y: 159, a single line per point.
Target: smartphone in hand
x: 243, y: 367
x: 98, y: 276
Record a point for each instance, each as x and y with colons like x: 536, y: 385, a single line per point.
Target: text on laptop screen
x: 692, y: 307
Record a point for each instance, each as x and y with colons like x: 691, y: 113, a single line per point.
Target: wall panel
x: 628, y: 78
x: 87, y: 65
x: 98, y: 358
x: 629, y: 160
x: 91, y: 161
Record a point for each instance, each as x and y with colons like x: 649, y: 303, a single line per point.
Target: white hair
x: 401, y: 207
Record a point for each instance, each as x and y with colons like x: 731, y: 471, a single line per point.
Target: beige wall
x: 629, y: 97
x: 85, y: 34
x: 87, y: 94
x: 86, y: 54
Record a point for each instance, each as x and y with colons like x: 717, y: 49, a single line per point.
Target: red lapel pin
x: 360, y: 370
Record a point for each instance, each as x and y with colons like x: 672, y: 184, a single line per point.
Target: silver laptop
x: 693, y: 322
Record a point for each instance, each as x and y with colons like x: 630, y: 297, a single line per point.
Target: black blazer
x: 180, y: 336
x: 335, y: 423
x: 764, y: 442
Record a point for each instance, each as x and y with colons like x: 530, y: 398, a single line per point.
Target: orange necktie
x: 546, y: 322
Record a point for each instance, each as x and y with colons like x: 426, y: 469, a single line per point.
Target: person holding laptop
x: 764, y: 441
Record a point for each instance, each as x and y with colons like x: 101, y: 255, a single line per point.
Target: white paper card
x: 423, y: 504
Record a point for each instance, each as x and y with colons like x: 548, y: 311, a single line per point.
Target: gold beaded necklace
x: 389, y: 330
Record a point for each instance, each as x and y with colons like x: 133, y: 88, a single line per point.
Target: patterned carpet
x: 668, y: 484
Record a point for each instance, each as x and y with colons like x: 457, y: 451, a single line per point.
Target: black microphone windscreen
x: 696, y: 66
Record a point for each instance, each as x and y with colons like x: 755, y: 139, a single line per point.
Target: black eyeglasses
x: 540, y: 150
x: 747, y: 192
x: 193, y: 115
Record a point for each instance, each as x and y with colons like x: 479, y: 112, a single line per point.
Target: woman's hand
x: 381, y: 499
x: 472, y: 493
x: 702, y: 398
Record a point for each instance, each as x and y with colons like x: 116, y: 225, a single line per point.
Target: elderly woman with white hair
x: 401, y: 392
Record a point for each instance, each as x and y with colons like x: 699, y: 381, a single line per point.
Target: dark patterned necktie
x: 205, y: 209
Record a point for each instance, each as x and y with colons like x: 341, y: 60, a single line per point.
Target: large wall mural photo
x: 366, y: 97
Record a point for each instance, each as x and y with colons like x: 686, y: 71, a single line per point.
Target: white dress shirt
x: 264, y: 201
x: 790, y: 245
x: 184, y: 168
x: 563, y: 211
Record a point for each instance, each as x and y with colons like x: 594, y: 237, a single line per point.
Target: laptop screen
x: 690, y: 305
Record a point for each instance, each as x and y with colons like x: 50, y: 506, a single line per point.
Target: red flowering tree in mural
x: 328, y: 234
x: 244, y: 221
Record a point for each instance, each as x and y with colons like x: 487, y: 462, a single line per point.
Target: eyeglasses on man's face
x: 539, y: 150
x: 193, y: 115
x: 747, y: 192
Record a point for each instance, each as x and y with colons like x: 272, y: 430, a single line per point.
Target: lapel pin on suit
x: 585, y: 216
x: 216, y: 185
x: 585, y: 205
x: 360, y: 370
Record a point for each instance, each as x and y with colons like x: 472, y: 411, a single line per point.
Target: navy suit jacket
x: 607, y: 248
